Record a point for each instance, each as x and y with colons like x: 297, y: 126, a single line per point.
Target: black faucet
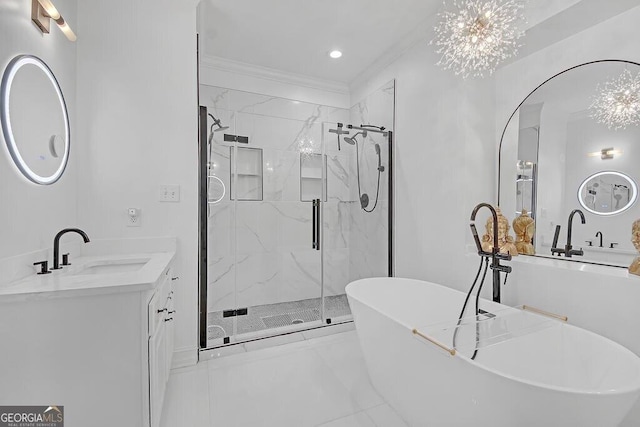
x: 56, y: 244
x: 568, y: 249
x: 554, y: 245
x: 599, y: 233
x: 495, y: 254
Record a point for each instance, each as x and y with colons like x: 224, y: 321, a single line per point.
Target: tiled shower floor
x: 269, y: 316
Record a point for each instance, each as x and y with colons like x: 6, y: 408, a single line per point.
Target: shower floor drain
x: 280, y: 320
x: 277, y: 321
x: 295, y: 312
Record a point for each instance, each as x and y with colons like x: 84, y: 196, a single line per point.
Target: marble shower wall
x: 368, y: 238
x: 260, y: 251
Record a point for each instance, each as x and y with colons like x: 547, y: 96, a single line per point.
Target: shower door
x: 284, y: 222
x: 278, y: 235
x: 264, y: 236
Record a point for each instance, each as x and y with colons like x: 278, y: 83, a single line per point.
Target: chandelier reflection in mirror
x: 477, y: 35
x: 307, y: 147
x: 617, y: 103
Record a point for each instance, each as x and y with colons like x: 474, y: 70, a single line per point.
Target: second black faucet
x: 56, y: 246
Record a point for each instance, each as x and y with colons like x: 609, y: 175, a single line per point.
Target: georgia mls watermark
x: 31, y: 416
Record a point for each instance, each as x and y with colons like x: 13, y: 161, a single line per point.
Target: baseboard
x: 183, y: 357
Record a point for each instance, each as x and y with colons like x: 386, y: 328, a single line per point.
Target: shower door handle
x: 317, y: 221
x: 313, y: 225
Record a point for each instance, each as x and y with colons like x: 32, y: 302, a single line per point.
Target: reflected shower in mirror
x: 607, y: 193
x: 571, y: 144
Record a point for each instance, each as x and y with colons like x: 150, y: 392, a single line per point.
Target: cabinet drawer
x: 159, y: 304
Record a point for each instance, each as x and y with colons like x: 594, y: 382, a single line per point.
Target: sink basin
x: 113, y: 266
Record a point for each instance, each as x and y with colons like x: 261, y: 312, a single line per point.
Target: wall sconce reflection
x: 606, y: 153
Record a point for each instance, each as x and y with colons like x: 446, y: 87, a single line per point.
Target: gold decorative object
x: 634, y: 268
x: 505, y: 241
x: 524, y: 227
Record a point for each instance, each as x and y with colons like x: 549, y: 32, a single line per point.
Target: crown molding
x: 420, y: 33
x: 257, y: 71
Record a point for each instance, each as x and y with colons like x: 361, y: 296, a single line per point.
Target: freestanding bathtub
x: 530, y: 370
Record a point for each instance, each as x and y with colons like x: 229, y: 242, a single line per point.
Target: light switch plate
x: 169, y: 193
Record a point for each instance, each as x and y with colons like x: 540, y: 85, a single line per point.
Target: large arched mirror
x: 34, y: 118
x: 574, y: 143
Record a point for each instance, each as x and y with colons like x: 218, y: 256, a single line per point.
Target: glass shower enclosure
x: 284, y: 225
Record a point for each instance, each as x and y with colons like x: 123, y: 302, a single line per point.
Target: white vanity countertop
x: 75, y: 280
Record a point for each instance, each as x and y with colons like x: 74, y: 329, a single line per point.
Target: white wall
x: 138, y: 126
x: 444, y: 163
x: 31, y: 214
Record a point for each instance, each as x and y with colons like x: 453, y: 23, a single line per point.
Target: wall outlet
x: 169, y: 193
x: 133, y: 217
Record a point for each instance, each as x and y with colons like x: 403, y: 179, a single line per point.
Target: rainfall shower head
x: 217, y: 122
x: 352, y: 139
x: 220, y: 128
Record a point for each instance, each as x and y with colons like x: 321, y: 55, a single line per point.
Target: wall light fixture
x: 43, y: 11
x: 606, y: 153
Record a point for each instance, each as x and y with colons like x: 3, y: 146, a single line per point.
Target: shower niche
x: 313, y: 167
x: 246, y: 174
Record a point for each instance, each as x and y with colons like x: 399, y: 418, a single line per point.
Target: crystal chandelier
x: 617, y: 103
x: 477, y: 35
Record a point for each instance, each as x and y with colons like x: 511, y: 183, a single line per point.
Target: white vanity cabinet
x: 161, y: 315
x: 99, y: 345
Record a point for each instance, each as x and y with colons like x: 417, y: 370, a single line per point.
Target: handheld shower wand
x: 380, y: 167
x: 364, y: 197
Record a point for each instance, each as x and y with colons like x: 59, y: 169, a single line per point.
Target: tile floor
x: 316, y: 381
x: 262, y: 317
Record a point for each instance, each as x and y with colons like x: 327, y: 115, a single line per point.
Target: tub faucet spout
x: 495, y: 254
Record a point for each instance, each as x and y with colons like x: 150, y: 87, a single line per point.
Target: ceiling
x: 296, y: 35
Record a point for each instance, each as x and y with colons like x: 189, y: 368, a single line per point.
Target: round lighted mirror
x: 607, y: 193
x: 34, y: 118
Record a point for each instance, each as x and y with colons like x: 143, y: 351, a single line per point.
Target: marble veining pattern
x: 269, y: 241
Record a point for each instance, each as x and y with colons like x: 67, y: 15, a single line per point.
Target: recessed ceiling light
x: 335, y: 54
